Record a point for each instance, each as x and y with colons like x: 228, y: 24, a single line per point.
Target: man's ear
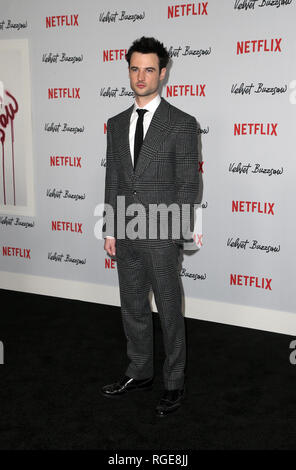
x: 162, y: 73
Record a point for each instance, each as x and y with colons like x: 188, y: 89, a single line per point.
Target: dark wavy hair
x: 147, y: 46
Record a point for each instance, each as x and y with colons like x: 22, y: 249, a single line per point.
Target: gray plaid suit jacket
x: 166, y: 171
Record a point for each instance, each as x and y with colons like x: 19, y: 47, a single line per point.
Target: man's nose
x: 141, y: 75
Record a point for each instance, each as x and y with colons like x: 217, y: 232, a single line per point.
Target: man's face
x: 144, y: 74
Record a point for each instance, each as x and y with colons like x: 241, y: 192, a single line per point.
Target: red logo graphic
x: 253, y: 206
x: 7, y: 118
x: 259, y: 45
x: 65, y: 161
x: 114, y: 54
x: 255, y: 128
x: 70, y: 93
x: 64, y: 20
x: 197, y: 237
x: 188, y: 9
x: 110, y: 263
x: 17, y: 252
x: 62, y: 226
x: 185, y: 90
x: 250, y: 281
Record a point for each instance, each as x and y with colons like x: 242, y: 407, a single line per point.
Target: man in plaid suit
x: 152, y: 159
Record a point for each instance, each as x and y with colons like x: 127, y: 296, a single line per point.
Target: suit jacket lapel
x: 124, y: 124
x: 157, y: 131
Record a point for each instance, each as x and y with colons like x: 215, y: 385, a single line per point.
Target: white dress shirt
x: 151, y: 108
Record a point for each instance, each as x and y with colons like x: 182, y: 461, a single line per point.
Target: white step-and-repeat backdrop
x: 63, y: 74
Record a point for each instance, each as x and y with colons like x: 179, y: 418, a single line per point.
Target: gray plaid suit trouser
x: 140, y: 268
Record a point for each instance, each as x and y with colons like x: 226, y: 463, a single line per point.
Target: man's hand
x: 109, y: 246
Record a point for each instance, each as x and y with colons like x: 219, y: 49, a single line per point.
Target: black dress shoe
x: 126, y: 384
x: 169, y: 402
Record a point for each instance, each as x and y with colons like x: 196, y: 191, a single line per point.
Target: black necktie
x: 139, y: 135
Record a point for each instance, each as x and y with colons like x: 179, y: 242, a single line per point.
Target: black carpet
x: 58, y: 353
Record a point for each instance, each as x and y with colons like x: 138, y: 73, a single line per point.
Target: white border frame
x: 22, y: 45
x: 275, y: 321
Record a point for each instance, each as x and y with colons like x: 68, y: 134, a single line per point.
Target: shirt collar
x: 151, y: 106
